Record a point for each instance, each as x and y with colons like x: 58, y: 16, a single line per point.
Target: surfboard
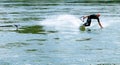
x: 89, y: 29
x: 82, y: 28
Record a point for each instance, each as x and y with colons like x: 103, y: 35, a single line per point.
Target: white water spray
x: 62, y: 22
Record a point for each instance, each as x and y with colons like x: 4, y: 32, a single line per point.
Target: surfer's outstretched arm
x: 85, y: 17
x: 100, y: 25
x: 82, y: 18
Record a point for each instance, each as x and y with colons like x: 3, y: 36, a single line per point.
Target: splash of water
x: 62, y: 22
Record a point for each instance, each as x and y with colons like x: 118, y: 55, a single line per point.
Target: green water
x: 48, y: 32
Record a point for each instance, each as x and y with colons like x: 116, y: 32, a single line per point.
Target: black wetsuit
x: 88, y: 22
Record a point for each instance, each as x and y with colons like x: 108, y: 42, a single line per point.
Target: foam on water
x: 62, y: 22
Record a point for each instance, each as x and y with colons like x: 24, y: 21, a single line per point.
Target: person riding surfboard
x: 89, y: 18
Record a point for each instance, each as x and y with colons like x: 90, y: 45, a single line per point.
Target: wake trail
x: 62, y: 22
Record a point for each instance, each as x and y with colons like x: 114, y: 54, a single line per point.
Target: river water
x: 48, y: 33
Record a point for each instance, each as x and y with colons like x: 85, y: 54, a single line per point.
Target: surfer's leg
x: 87, y: 23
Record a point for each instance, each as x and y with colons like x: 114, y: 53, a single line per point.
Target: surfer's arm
x: 85, y: 17
x: 99, y: 23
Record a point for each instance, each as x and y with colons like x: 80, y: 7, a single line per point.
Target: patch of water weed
x: 52, y: 31
x: 56, y: 38
x: 12, y: 45
x: 84, y: 39
x: 37, y: 40
x: 92, y: 49
x: 40, y: 44
x: 36, y: 29
x: 29, y: 19
x: 31, y: 50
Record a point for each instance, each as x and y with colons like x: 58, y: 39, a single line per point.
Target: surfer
x: 89, y: 17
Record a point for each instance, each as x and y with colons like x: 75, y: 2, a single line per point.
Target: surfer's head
x: 98, y: 14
